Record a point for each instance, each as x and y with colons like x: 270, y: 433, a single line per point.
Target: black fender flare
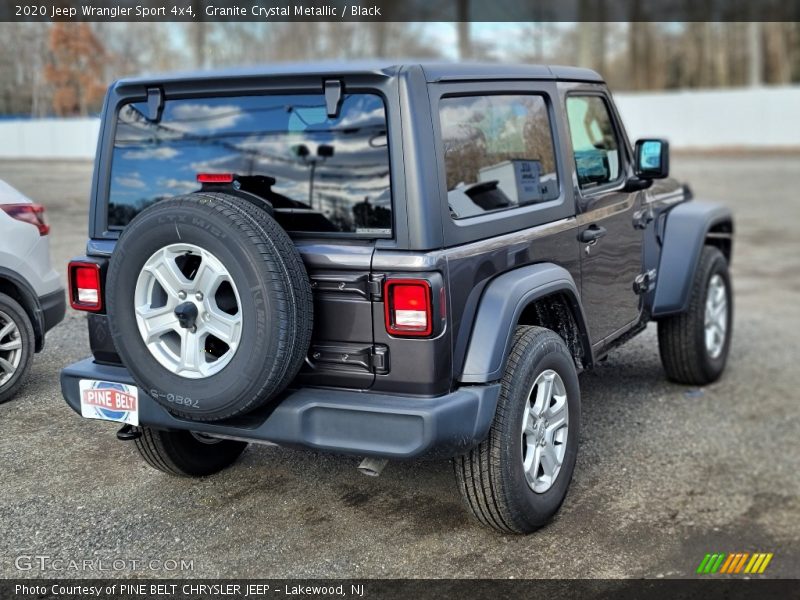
x: 685, y: 231
x: 30, y: 303
x: 499, y: 311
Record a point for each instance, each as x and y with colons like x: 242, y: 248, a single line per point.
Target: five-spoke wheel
x: 716, y: 315
x: 545, y: 426
x: 187, y: 310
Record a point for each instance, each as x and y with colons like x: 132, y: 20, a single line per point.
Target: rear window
x: 321, y: 175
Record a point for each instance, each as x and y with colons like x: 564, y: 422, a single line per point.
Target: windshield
x: 321, y: 174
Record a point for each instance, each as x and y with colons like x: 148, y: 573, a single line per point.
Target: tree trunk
x: 199, y: 36
x: 464, y: 41
x: 756, y: 72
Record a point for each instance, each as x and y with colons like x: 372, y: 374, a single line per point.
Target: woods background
x: 62, y: 69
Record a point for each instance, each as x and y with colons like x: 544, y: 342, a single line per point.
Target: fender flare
x: 499, y: 311
x: 30, y: 304
x: 685, y: 231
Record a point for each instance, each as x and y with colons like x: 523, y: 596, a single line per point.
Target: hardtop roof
x: 434, y: 71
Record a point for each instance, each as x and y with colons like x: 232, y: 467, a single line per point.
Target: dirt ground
x: 665, y: 473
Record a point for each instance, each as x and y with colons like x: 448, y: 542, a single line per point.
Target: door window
x: 594, y: 142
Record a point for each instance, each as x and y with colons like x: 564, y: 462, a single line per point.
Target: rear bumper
x: 54, y: 306
x: 339, y: 421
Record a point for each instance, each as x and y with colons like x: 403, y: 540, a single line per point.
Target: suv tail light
x: 84, y: 286
x: 28, y: 213
x: 408, y: 307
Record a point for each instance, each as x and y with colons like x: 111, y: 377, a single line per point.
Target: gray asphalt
x: 665, y: 472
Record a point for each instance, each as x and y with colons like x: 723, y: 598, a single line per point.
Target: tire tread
x: 177, y: 453
x: 682, y: 353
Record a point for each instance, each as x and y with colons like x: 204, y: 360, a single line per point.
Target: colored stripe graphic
x: 720, y: 562
x: 764, y: 564
x: 741, y: 561
x: 752, y: 563
x: 728, y: 562
x: 703, y: 563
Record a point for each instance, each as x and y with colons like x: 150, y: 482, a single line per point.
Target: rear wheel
x: 185, y: 453
x: 516, y: 480
x: 694, y: 345
x: 16, y: 347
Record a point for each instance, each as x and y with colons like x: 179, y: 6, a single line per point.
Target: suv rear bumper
x: 54, y: 307
x: 340, y: 421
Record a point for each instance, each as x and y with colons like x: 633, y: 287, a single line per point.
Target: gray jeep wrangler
x: 385, y: 260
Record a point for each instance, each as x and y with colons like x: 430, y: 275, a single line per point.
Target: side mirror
x: 652, y: 159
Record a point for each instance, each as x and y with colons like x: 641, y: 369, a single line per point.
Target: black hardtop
x: 434, y: 71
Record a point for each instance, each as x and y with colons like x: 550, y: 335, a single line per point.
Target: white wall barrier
x: 713, y: 119
x: 49, y: 138
x: 728, y: 119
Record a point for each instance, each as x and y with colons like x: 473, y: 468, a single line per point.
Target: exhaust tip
x: 372, y: 467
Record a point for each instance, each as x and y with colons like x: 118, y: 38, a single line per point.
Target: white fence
x: 49, y: 138
x: 741, y: 118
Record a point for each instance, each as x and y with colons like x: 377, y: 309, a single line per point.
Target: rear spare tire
x: 209, y: 305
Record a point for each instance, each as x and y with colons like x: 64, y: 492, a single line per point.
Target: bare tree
x: 755, y: 73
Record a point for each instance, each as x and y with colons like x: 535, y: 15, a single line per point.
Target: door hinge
x: 374, y: 359
x: 643, y: 282
x: 375, y: 286
x: 380, y: 359
x: 643, y: 217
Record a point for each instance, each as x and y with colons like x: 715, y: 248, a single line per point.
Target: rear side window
x: 321, y: 175
x: 594, y: 142
x: 498, y: 153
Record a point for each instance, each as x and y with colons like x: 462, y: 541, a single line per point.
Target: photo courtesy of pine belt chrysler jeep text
x: 385, y: 260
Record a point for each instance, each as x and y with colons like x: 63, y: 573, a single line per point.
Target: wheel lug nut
x: 198, y: 296
x: 182, y: 295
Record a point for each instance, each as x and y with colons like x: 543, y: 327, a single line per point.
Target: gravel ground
x: 665, y: 473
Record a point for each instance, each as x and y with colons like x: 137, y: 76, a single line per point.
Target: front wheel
x: 516, y: 480
x: 694, y: 344
x: 186, y: 453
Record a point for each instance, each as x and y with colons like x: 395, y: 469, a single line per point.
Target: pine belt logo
x: 735, y: 563
x: 109, y: 401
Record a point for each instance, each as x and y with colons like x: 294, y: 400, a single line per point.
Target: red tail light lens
x: 408, y: 307
x: 28, y: 213
x: 84, y: 286
x: 215, y: 178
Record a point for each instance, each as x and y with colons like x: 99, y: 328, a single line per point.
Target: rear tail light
x: 408, y: 307
x: 28, y: 213
x: 84, y: 286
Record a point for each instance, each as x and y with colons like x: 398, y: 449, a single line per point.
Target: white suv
x: 31, y: 295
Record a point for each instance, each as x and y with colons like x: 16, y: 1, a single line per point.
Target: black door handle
x: 592, y: 234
